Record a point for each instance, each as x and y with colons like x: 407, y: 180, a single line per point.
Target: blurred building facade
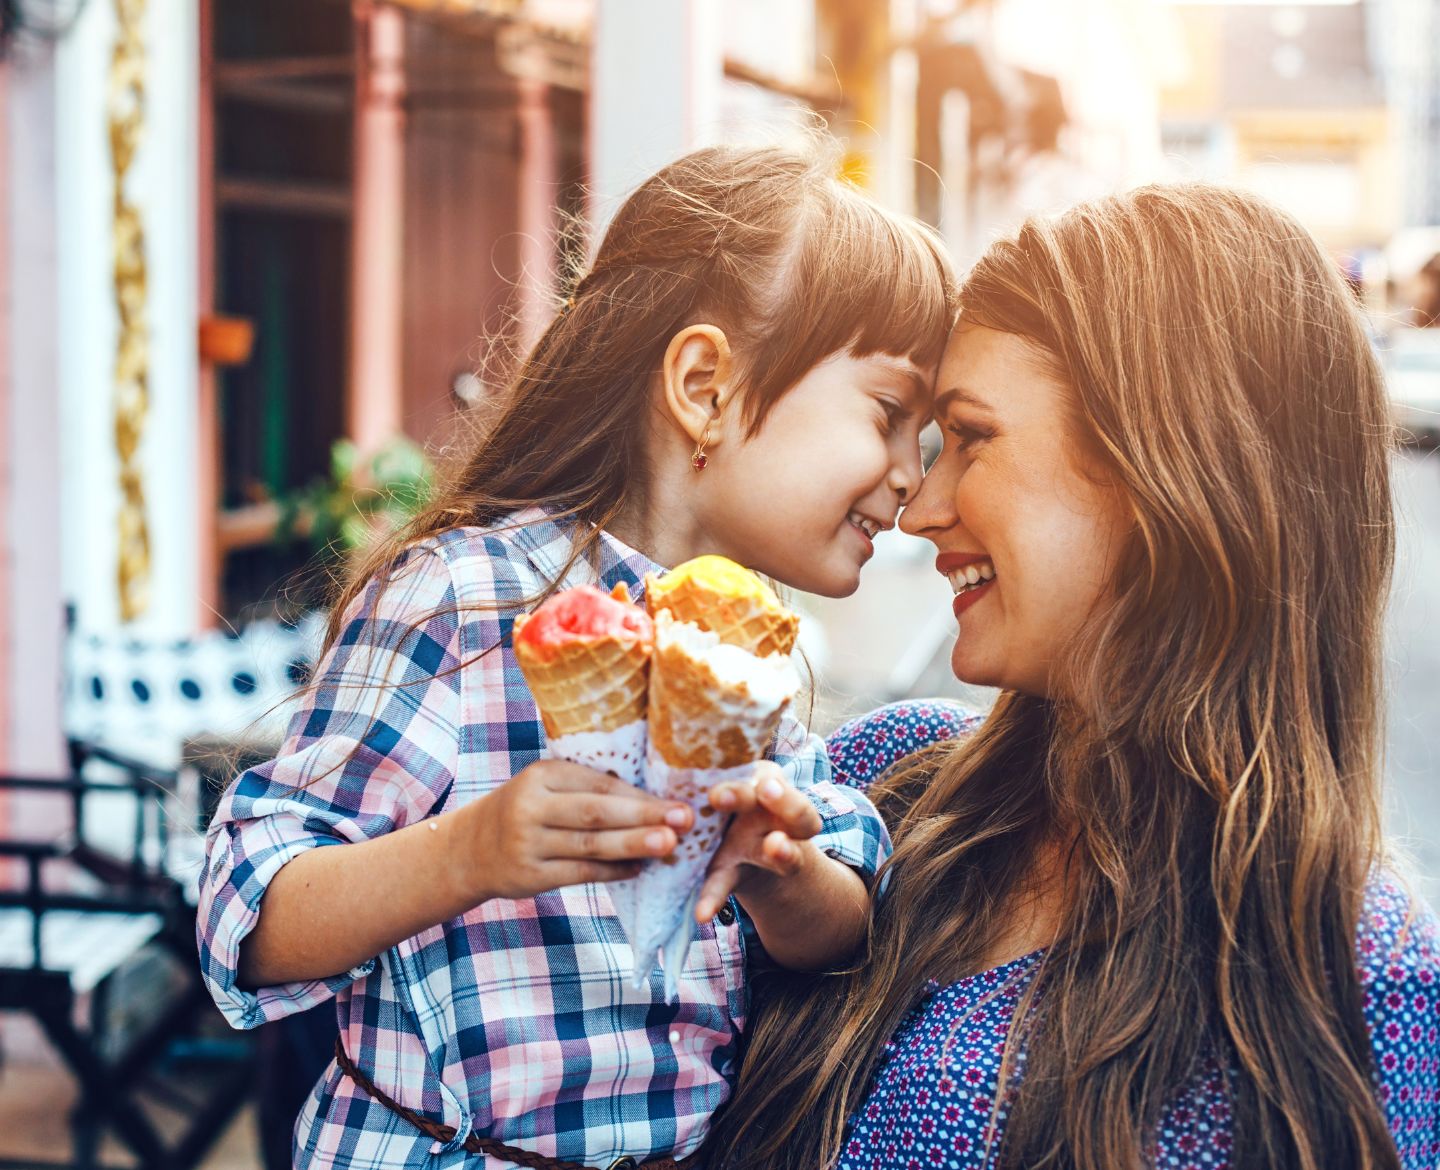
x: 1406, y: 40
x: 326, y: 217
x: 1288, y: 100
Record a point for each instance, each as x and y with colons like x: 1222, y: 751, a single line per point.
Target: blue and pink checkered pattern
x: 517, y: 1019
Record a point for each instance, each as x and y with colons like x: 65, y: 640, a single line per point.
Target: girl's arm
x: 554, y: 824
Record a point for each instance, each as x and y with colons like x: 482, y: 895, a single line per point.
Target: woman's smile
x: 971, y: 575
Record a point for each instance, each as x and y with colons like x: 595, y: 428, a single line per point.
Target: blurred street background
x: 257, y: 257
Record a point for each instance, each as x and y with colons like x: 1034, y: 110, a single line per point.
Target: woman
x: 1139, y: 917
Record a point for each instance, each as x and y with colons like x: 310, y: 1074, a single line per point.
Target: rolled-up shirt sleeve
x: 851, y: 830
x: 373, y: 747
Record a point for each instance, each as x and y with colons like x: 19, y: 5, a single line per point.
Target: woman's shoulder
x: 868, y: 746
x: 1398, y: 953
x: 1398, y: 943
x: 1398, y: 936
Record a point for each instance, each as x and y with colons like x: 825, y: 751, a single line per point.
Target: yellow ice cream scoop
x: 727, y: 599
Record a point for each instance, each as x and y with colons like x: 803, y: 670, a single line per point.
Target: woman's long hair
x: 1215, y: 763
x: 765, y: 242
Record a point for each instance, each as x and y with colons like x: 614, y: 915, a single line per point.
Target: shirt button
x: 726, y: 917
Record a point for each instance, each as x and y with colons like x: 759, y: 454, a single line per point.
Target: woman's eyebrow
x: 960, y: 394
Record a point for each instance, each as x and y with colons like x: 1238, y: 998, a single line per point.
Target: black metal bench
x: 99, y: 948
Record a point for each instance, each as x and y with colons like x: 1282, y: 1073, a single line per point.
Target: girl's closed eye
x: 894, y: 416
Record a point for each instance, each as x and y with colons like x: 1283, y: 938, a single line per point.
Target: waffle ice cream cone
x: 727, y: 599
x: 714, y: 708
x: 586, y: 660
x: 712, y: 704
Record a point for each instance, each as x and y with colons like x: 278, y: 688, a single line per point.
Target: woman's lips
x: 964, y: 601
x: 971, y: 575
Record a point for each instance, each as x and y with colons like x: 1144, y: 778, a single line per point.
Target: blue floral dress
x: 931, y: 1103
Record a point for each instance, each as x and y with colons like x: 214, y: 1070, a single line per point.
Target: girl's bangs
x: 862, y: 281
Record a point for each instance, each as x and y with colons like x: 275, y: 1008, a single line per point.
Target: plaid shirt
x: 515, y: 1020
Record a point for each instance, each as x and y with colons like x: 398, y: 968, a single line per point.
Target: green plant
x: 360, y: 499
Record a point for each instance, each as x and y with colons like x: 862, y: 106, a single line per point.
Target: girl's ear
x: 696, y: 379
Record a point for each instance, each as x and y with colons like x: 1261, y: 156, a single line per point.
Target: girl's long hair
x: 1215, y: 764
x: 765, y: 242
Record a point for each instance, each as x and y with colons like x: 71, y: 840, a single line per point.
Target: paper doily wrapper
x: 622, y: 753
x: 666, y: 889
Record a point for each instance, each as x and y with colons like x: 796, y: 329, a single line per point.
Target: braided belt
x: 476, y: 1144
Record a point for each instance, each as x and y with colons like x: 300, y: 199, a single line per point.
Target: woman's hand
x: 557, y: 824
x: 768, y: 838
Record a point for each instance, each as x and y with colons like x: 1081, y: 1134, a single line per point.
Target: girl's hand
x: 556, y: 824
x: 768, y: 838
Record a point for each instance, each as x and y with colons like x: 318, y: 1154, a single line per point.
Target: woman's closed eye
x: 966, y: 437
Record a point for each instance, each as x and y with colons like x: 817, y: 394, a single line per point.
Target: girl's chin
x: 836, y: 580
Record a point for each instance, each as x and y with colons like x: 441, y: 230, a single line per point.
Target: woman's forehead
x: 984, y: 368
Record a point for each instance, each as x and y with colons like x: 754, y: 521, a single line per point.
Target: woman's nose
x: 932, y: 509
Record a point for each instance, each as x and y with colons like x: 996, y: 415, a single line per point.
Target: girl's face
x: 835, y: 458
x: 1028, y: 533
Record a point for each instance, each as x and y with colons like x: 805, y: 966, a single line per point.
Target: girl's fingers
x: 734, y: 796
x: 563, y: 776
x: 715, y: 891
x: 781, y: 855
x: 617, y: 811
x: 608, y: 844
x: 788, y: 805
x: 574, y: 873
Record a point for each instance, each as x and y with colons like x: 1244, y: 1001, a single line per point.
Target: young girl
x: 745, y: 370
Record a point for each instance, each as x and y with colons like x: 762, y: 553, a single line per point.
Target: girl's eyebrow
x: 961, y: 394
x: 919, y: 385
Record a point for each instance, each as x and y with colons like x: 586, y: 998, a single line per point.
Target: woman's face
x: 1026, y: 528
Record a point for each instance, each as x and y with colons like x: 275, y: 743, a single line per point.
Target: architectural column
x: 160, y: 185
x: 539, y: 189
x: 31, y: 614
x: 377, y: 227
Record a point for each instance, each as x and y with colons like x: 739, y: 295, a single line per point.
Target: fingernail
x: 722, y: 799
x: 677, y: 817
x: 656, y: 841
x: 771, y: 788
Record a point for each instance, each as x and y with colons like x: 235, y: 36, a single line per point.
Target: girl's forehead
x: 917, y: 380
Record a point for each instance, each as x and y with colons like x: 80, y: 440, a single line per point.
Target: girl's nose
x: 905, y: 476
